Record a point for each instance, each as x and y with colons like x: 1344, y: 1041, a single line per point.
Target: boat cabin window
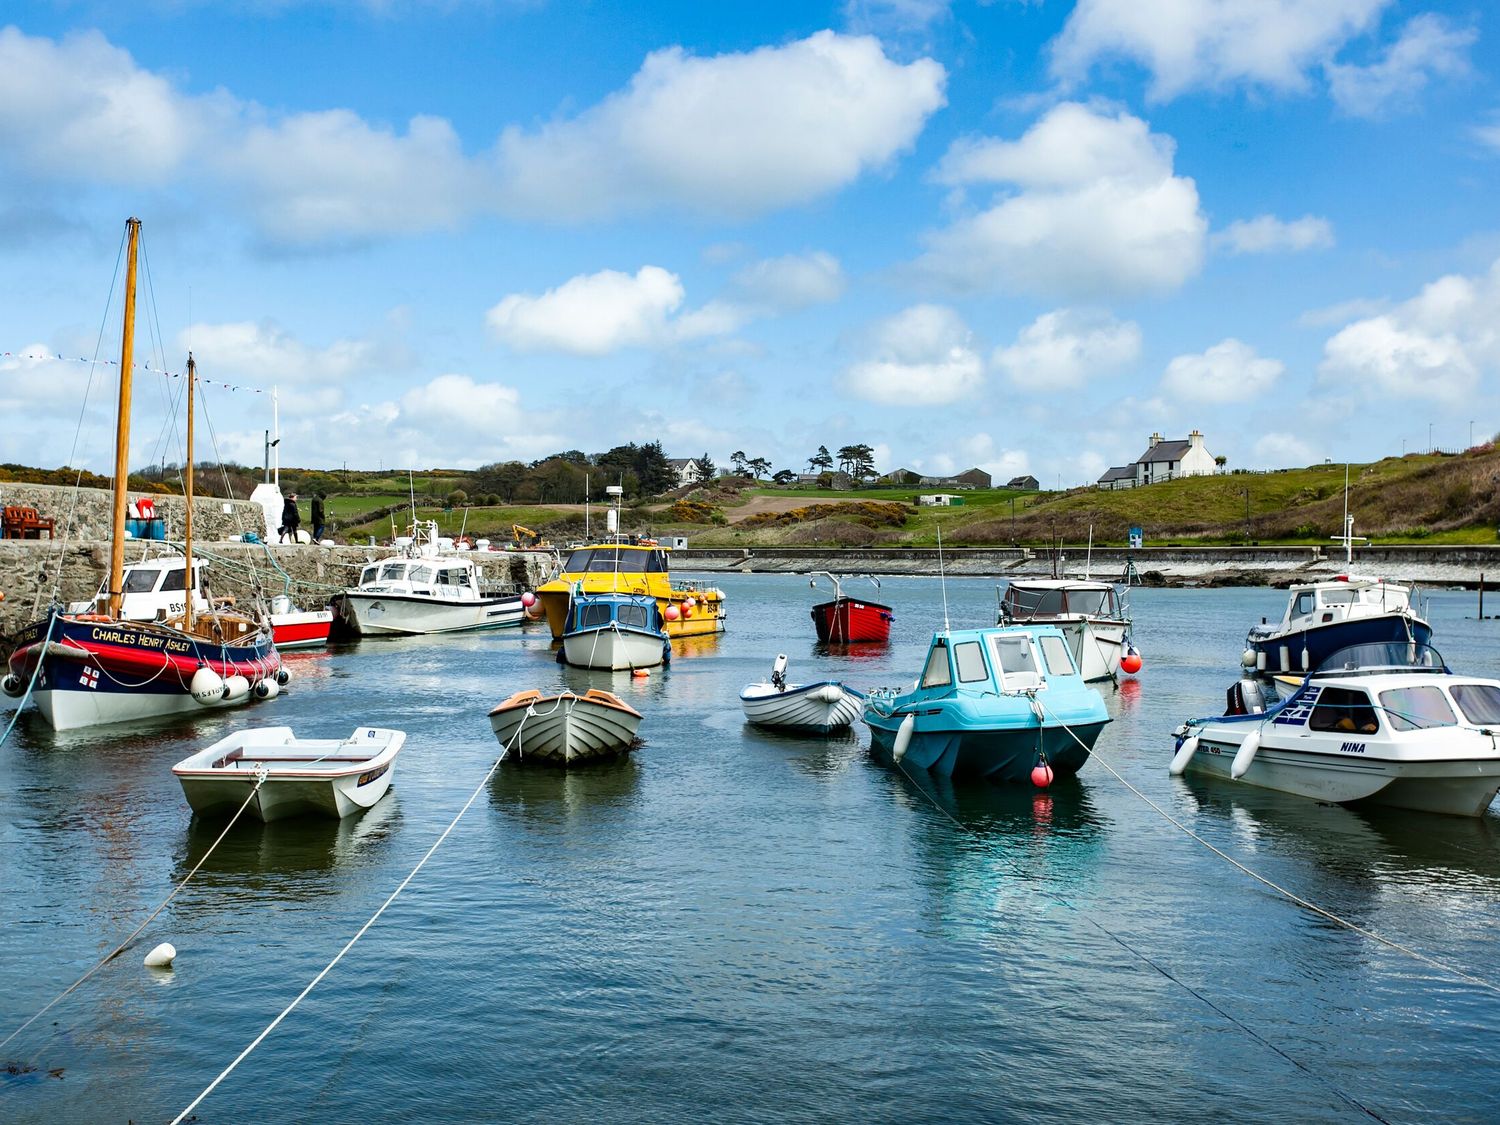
x: 175, y: 575
x: 1094, y: 603
x: 1343, y: 709
x: 367, y: 575
x: 1416, y: 708
x: 1055, y: 653
x: 592, y: 615
x: 453, y: 576
x: 142, y: 581
x: 1025, y: 604
x: 936, y: 673
x: 1303, y: 605
x: 970, y: 660
x: 1340, y: 597
x: 393, y: 572
x: 634, y: 615
x: 421, y: 574
x: 1480, y: 703
x: 1017, y: 661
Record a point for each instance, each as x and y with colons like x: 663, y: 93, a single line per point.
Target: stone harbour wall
x: 30, y: 568
x: 84, y: 514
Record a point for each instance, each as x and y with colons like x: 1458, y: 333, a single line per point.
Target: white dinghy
x: 321, y: 776
x: 819, y: 708
x: 565, y: 729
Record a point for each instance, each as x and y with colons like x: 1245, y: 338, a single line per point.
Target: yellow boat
x: 689, y: 609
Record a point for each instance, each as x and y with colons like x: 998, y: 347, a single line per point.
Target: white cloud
x: 895, y: 15
x: 592, y: 314
x: 1098, y: 211
x: 267, y: 354
x: 794, y: 281
x: 1282, y: 451
x: 1229, y: 371
x: 1437, y: 345
x: 1267, y: 234
x: 1488, y: 134
x: 453, y: 403
x: 1428, y: 47
x: 1213, y: 44
x: 921, y: 357
x: 736, y: 134
x: 1066, y: 348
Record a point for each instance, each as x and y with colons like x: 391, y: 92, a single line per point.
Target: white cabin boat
x: 819, y: 708
x: 421, y: 590
x: 1090, y: 615
x: 565, y: 729
x: 320, y: 776
x: 1387, y: 724
x: 1323, y: 617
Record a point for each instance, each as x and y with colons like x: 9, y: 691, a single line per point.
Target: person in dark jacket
x: 317, y: 516
x: 291, y: 519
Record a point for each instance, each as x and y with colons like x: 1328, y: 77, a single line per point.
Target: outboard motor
x: 778, y: 672
x: 1245, y: 697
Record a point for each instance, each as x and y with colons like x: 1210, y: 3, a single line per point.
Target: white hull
x: 613, y: 649
x: 1458, y: 786
x: 375, y: 615
x: 565, y: 729
x: 73, y: 710
x: 821, y: 707
x: 1097, y: 646
x: 323, y: 777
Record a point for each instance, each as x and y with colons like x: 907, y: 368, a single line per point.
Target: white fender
x: 1245, y: 755
x: 1183, y: 756
x: 903, y: 737
x: 236, y: 687
x: 828, y: 693
x: 161, y: 957
x: 267, y: 688
x: 207, y: 686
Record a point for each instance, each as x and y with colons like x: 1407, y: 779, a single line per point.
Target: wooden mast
x: 190, y: 586
x: 122, y: 426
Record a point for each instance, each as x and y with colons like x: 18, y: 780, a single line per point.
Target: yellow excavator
x: 525, y: 537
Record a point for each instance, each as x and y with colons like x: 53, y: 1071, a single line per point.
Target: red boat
x: 847, y: 620
x: 298, y: 628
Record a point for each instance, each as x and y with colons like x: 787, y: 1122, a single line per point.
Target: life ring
x: 92, y: 617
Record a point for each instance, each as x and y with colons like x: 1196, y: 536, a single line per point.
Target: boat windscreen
x: 970, y: 660
x: 1480, y: 703
x: 936, y: 673
x: 144, y: 581
x: 633, y: 615
x: 1055, y: 653
x: 1023, y: 604
x: 1091, y: 603
x: 1382, y: 656
x: 1417, y: 708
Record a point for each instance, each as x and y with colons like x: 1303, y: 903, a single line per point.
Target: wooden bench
x: 24, y: 523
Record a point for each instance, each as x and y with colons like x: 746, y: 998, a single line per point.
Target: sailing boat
x: 88, y: 669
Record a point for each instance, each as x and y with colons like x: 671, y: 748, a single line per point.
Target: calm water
x: 734, y: 926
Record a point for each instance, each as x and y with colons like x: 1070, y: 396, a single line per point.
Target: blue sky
x: 1022, y: 234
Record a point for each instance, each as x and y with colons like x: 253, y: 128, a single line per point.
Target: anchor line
x: 1289, y: 895
x: 260, y: 778
x: 339, y: 956
x: 1229, y: 1017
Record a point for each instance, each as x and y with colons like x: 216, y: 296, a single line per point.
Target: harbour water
x: 738, y: 926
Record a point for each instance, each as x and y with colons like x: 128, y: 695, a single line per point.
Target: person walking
x: 291, y: 519
x: 318, y: 516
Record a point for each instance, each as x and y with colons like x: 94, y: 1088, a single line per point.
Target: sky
x: 1022, y: 235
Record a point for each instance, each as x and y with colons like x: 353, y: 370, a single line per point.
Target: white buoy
x: 283, y: 676
x: 1245, y: 754
x: 266, y: 689
x: 206, y: 686
x: 1247, y: 658
x: 236, y: 687
x: 1304, y: 659
x: 1183, y: 756
x: 161, y: 957
x: 903, y: 737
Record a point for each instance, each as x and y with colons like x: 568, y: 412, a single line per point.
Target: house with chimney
x: 1163, y: 460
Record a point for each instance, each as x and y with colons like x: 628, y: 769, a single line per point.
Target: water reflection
x: 255, y: 855
x: 543, y: 795
x: 815, y: 754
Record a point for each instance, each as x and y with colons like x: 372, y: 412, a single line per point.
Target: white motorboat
x: 615, y: 632
x: 1090, y: 615
x: 421, y: 590
x: 322, y: 776
x: 1387, y: 724
x: 820, y: 707
x: 566, y: 728
x: 1323, y: 617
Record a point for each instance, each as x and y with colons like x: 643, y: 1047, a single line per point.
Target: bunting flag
x: 137, y: 367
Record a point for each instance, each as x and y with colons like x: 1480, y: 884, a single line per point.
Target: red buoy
x: 672, y: 613
x: 1130, y: 663
x: 1041, y: 775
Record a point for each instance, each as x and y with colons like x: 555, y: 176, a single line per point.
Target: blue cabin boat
x: 615, y: 632
x: 990, y: 703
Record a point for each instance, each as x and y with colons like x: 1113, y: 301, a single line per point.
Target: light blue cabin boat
x: 615, y: 632
x: 990, y: 703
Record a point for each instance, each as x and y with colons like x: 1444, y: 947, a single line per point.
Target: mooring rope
x: 1290, y: 896
x: 339, y: 956
x: 260, y: 778
x: 1230, y: 1017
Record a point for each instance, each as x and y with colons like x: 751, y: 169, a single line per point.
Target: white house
x: 686, y: 469
x: 1163, y: 460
